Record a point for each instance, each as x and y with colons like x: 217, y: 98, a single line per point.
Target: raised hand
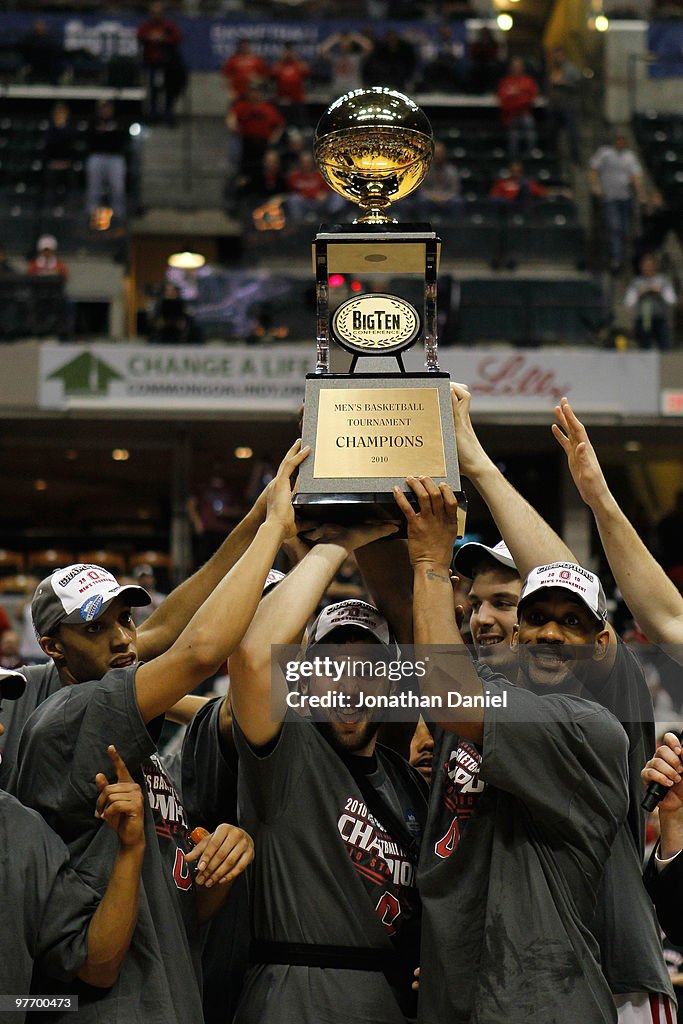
x: 571, y: 435
x: 120, y: 804
x: 432, y: 530
x: 279, y: 490
x: 471, y: 455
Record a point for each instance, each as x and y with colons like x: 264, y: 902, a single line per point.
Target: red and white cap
x: 351, y: 613
x: 567, y: 576
x: 79, y: 593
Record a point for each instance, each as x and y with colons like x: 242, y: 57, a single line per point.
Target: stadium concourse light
x: 505, y: 22
x: 186, y: 260
x: 601, y: 23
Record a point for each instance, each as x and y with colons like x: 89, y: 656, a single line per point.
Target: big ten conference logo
x: 376, y: 323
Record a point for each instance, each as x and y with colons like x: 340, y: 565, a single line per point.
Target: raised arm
x: 219, y: 625
x: 530, y: 539
x: 431, y: 535
x: 167, y: 622
x: 649, y: 593
x: 281, y: 618
x: 111, y: 928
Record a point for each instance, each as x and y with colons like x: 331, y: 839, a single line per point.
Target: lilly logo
x: 91, y: 608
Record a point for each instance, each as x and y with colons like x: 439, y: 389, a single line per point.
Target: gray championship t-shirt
x: 63, y: 746
x: 517, y: 836
x: 45, y: 908
x: 326, y: 872
x: 41, y: 682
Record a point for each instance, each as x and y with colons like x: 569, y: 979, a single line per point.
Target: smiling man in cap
x: 493, y: 595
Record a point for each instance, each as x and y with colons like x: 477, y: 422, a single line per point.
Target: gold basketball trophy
x: 370, y: 428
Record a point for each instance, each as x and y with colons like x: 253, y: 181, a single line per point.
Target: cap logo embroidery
x: 91, y: 608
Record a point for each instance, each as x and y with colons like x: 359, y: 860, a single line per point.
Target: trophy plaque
x: 371, y: 427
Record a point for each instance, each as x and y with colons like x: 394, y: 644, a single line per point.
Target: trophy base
x: 345, y: 509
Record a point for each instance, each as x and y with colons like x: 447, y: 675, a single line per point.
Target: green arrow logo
x: 85, y: 375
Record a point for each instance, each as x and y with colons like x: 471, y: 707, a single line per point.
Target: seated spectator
x: 170, y: 323
x: 441, y: 189
x: 345, y: 53
x: 105, y: 168
x: 258, y: 125
x: 145, y: 578
x: 651, y: 297
x: 59, y: 154
x: 485, y: 61
x: 308, y: 194
x: 269, y: 180
x: 243, y: 70
x: 290, y: 74
x: 517, y: 92
x: 45, y: 263
x: 42, y: 54
x: 160, y: 39
x: 10, y: 657
x: 515, y: 186
x: 448, y: 69
x: 392, y: 62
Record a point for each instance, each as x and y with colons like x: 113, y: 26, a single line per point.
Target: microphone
x: 656, y: 791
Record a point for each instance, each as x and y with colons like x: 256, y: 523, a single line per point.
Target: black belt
x: 304, y: 954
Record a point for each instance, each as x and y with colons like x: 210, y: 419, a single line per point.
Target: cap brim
x: 137, y: 598
x: 467, y: 556
x: 12, y: 684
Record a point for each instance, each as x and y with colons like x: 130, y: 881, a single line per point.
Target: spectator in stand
x: 511, y: 193
x: 441, y: 190
x: 212, y: 511
x: 615, y: 176
x: 515, y: 186
x: 170, y: 322
x: 45, y: 263
x: 392, y: 62
x: 59, y: 155
x: 105, y: 168
x: 243, y: 70
x: 145, y: 578
x: 345, y: 53
x: 42, y: 55
x: 517, y: 92
x: 290, y: 74
x: 651, y: 297
x: 5, y: 622
x: 10, y: 658
x: 160, y: 39
x: 258, y: 125
x: 308, y: 194
x: 448, y: 69
x: 485, y: 61
x: 563, y: 80
x: 270, y: 181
